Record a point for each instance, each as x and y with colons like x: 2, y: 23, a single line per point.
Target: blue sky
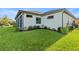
x: 11, y: 12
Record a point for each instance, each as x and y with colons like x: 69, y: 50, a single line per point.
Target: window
x: 29, y: 16
x: 38, y: 20
x: 50, y: 17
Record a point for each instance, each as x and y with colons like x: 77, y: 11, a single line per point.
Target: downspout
x: 62, y: 19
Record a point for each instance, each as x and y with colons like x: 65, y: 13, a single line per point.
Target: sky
x: 11, y: 12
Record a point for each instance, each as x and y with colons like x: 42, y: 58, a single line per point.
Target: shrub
x: 76, y: 26
x: 64, y: 30
x: 53, y: 29
x: 30, y: 28
x: 48, y: 28
x: 59, y: 29
x: 70, y: 28
x: 45, y: 27
x: 36, y: 27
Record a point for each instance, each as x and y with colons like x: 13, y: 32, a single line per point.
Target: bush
x: 33, y: 27
x: 48, y: 28
x: 59, y: 29
x: 76, y: 26
x: 70, y: 28
x: 53, y: 29
x: 45, y: 27
x: 30, y: 28
x: 64, y: 30
x: 36, y: 27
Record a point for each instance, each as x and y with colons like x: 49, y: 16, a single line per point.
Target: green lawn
x: 40, y: 39
x: 68, y: 43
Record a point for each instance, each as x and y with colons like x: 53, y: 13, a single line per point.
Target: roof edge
x: 48, y: 12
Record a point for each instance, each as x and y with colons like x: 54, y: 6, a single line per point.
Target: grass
x: 35, y: 40
x: 68, y: 43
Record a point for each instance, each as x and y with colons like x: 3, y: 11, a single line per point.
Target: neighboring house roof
x: 46, y: 13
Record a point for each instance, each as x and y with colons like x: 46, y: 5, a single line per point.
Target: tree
x: 4, y: 21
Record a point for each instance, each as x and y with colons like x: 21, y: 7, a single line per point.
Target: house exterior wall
x: 18, y: 22
x: 30, y: 21
x: 67, y: 20
x: 55, y: 22
x: 50, y: 23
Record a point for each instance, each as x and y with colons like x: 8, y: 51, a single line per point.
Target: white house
x: 51, y: 19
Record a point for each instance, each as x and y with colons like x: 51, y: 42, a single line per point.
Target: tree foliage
x: 6, y: 21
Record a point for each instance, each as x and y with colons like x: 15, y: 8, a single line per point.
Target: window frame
x: 29, y: 16
x: 38, y: 20
x: 50, y: 17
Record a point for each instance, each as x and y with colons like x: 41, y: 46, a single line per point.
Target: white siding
x: 55, y: 22
x: 30, y: 21
x: 66, y: 19
x: 51, y: 23
x: 18, y: 21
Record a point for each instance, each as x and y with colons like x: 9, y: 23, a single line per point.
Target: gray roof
x: 36, y: 12
x: 59, y: 10
x: 47, y: 13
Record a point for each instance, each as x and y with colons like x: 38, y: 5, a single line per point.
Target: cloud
x: 11, y: 12
x: 8, y: 12
x: 74, y: 11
